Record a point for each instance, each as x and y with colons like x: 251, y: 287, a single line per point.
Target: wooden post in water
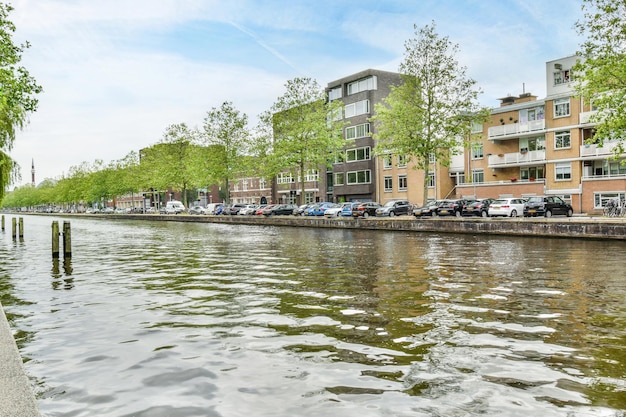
x: 55, y: 240
x: 13, y: 227
x: 21, y: 232
x: 3, y: 222
x: 67, y: 240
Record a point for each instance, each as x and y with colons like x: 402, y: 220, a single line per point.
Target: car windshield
x: 500, y: 202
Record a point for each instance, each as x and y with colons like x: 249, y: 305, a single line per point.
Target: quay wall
x: 572, y: 227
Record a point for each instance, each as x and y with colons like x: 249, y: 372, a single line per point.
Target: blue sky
x: 116, y: 73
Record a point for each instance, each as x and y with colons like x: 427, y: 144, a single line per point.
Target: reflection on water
x: 152, y: 319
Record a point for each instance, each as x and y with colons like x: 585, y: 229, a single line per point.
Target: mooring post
x: 67, y: 240
x: 13, y: 227
x: 21, y: 232
x: 55, y: 239
x: 3, y: 222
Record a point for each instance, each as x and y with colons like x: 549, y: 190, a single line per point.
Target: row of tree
x: 428, y: 115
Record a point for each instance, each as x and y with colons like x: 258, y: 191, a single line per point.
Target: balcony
x: 515, y: 130
x: 593, y: 150
x: 586, y: 116
x: 517, y: 159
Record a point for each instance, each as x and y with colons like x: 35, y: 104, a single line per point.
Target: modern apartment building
x: 536, y: 146
x: 353, y: 177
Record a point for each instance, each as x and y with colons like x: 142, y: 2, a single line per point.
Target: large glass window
x: 561, y: 107
x: 562, y: 140
x: 358, y: 131
x: 477, y: 151
x: 562, y: 77
x: 602, y: 199
x: 478, y: 175
x: 355, y: 109
x: 563, y: 171
x: 334, y: 93
x: 311, y: 175
x: 402, y: 183
x: 369, y: 83
x: 284, y: 178
x: 431, y: 179
x: 339, y: 178
x: 359, y: 177
x: 358, y: 154
x: 402, y: 161
x: 387, y: 162
x: 388, y: 184
x: 532, y: 172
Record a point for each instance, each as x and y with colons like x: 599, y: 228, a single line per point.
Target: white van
x: 174, y: 207
x: 210, y: 208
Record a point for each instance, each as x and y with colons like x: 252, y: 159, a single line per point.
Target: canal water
x: 195, y: 319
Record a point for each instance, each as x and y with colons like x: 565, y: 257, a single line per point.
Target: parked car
x: 430, y: 209
x: 547, y: 206
x: 151, y: 210
x: 507, y: 207
x: 197, y: 209
x: 233, y: 209
x: 452, y: 207
x: 261, y: 208
x: 279, y: 209
x: 300, y: 210
x: 478, y: 208
x: 366, y: 209
x: 394, y: 208
x: 346, y: 211
x: 107, y: 210
x: 248, y: 210
x: 317, y: 209
x: 333, y: 211
x: 174, y: 207
x: 211, y: 208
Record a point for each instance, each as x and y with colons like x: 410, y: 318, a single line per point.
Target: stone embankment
x: 564, y: 227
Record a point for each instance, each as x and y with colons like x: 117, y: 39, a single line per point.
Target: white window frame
x: 563, y: 171
x: 352, y: 155
x: 311, y: 175
x: 339, y: 178
x: 600, y: 199
x: 478, y: 175
x: 561, y: 107
x: 357, y: 108
x: 402, y: 161
x: 478, y: 151
x: 388, y: 183
x: 366, y: 173
x: 335, y: 93
x: 387, y: 162
x: 357, y: 131
x: 431, y: 179
x: 562, y: 139
x: 284, y: 178
x: 403, y: 182
x: 364, y: 84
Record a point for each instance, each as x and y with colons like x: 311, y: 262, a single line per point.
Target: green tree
x: 305, y: 132
x: 18, y: 92
x: 226, y: 143
x: 601, y: 71
x: 429, y: 115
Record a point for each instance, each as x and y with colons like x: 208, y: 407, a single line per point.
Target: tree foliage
x: 601, y: 71
x: 305, y: 135
x: 18, y: 90
x: 225, y: 141
x: 430, y: 113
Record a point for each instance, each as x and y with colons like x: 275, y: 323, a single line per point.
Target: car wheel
x: 391, y: 214
x: 513, y: 213
x: 548, y: 213
x: 365, y: 214
x: 457, y: 214
x: 570, y: 212
x: 484, y: 214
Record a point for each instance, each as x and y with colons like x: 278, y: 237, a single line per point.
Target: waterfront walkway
x: 16, y: 394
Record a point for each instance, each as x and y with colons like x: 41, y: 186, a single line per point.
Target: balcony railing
x: 517, y: 158
x: 515, y: 129
x: 585, y: 116
x: 595, y: 150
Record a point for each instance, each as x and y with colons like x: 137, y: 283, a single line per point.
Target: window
x: 388, y: 184
x: 477, y: 151
x: 402, y: 183
x: 358, y: 131
x: 358, y: 154
x: 334, y: 93
x: 244, y: 184
x: 431, y: 158
x: 602, y: 199
x: 562, y: 77
x: 563, y: 171
x: 336, y: 114
x: 616, y: 168
x: 387, y: 163
x: 402, y: 161
x: 431, y: 179
x: 339, y: 178
x: 562, y: 140
x: 262, y: 183
x: 478, y: 175
x: 561, y: 107
x: 369, y: 83
x: 311, y: 175
x: 284, y: 178
x: 359, y: 177
x: 355, y: 109
x: 532, y: 172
